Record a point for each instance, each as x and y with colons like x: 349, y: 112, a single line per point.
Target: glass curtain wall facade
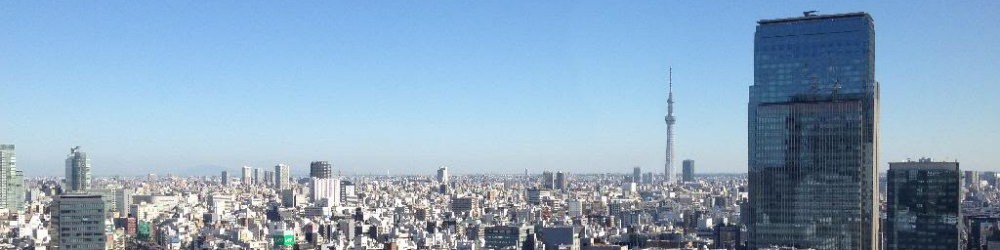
x: 688, y: 173
x: 813, y: 133
x: 11, y: 180
x: 77, y: 170
x: 923, y: 205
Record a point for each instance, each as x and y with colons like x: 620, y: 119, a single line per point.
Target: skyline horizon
x: 561, y: 87
x: 303, y: 169
x: 306, y: 175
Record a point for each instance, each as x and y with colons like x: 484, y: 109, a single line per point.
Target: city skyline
x: 581, y: 91
x: 320, y: 125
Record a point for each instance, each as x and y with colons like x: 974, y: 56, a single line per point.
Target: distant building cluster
x: 927, y: 205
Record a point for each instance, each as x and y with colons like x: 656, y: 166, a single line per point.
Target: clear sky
x: 480, y: 86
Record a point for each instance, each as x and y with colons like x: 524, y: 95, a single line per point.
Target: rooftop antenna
x: 670, y: 90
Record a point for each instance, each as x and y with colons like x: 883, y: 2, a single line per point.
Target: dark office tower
x: 561, y: 181
x: 813, y: 134
x: 321, y: 169
x: 257, y: 177
x: 922, y: 205
x: 688, y: 170
x: 225, y: 178
x: 636, y: 174
x: 77, y: 170
x: 548, y: 180
x: 79, y: 220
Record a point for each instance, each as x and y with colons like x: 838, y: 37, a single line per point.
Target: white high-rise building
x: 325, y: 188
x: 282, y: 177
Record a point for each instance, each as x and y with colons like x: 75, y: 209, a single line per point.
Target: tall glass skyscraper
x: 813, y: 133
x: 77, y: 170
x: 688, y: 171
x: 11, y: 180
x: 923, y: 201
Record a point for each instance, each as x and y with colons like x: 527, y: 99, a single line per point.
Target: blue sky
x: 482, y: 87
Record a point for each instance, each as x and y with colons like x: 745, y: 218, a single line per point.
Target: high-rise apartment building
x: 78, y: 222
x: 321, y: 169
x: 813, y: 133
x: 923, y: 205
x: 77, y: 170
x: 688, y: 171
x: 281, y: 177
x: 11, y: 180
x: 246, y: 175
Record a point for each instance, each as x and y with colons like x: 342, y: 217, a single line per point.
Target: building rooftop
x: 809, y: 16
x: 923, y: 164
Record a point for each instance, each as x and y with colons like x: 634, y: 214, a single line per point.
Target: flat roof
x: 812, y: 17
x: 79, y: 196
x: 923, y: 165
